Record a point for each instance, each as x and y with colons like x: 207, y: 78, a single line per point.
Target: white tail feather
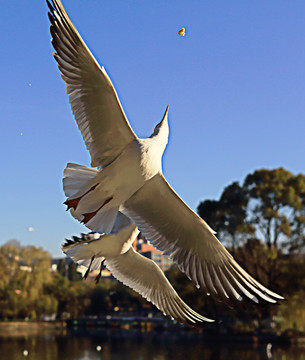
x: 77, y: 177
x: 80, y: 252
x: 77, y: 181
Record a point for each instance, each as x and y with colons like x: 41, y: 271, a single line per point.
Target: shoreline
x: 63, y: 327
x: 31, y: 328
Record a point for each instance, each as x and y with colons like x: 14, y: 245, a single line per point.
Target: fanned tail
x: 96, y: 210
x: 76, y: 179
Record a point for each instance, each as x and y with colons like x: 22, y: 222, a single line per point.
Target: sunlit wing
x: 169, y: 224
x: 145, y: 277
x: 93, y: 99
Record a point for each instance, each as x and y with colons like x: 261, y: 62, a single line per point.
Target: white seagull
x: 129, y: 176
x: 115, y: 250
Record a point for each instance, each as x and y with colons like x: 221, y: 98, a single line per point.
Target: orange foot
x: 88, y: 270
x: 97, y: 279
x: 72, y: 203
x: 89, y: 216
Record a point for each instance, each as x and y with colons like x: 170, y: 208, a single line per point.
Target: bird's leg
x: 97, y: 279
x: 88, y: 270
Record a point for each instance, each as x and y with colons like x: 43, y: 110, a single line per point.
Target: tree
x: 269, y: 205
x: 25, y: 272
x: 73, y: 297
x: 228, y: 215
x: 73, y: 274
x: 62, y: 267
x: 100, y: 302
x: 276, y: 206
x: 268, y: 211
x: 296, y: 194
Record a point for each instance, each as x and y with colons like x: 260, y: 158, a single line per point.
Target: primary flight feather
x: 129, y: 176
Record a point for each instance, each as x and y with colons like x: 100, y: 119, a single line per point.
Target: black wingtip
x: 50, y: 6
x: 51, y: 18
x: 66, y: 243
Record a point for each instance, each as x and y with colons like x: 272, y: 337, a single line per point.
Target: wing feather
x: 169, y: 224
x: 93, y: 99
x: 144, y: 276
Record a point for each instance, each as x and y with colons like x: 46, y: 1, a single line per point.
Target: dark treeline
x: 261, y: 222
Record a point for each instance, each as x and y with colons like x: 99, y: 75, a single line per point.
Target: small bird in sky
x: 129, y: 177
x: 182, y: 31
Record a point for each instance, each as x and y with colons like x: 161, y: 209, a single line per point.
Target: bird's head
x: 161, y: 130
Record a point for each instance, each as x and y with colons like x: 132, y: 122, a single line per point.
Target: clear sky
x: 235, y: 85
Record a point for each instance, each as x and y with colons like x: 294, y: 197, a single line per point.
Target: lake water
x: 136, y: 345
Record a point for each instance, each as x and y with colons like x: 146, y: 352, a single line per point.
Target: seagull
x: 126, y: 176
x: 115, y: 250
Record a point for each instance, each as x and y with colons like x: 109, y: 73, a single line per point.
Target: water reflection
x: 134, y: 345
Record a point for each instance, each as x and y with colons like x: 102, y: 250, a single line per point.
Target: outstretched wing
x: 93, y: 99
x: 145, y: 277
x: 168, y: 223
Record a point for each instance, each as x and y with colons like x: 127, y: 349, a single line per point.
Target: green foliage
x: 29, y: 290
x: 73, y: 274
x: 276, y: 206
x: 228, y: 215
x: 61, y: 267
x: 270, y: 205
x: 68, y: 269
x: 100, y: 302
x: 25, y: 272
x: 291, y: 314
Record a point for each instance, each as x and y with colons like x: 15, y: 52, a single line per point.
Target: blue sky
x: 235, y: 85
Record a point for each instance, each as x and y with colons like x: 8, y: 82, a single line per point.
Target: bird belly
x: 115, y: 184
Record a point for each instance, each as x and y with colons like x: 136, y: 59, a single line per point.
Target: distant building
x: 146, y: 249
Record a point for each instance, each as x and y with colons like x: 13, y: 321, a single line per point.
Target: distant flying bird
x: 129, y: 176
x: 182, y: 31
x: 131, y: 268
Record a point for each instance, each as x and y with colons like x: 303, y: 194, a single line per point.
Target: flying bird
x: 129, y: 176
x: 115, y: 250
x: 182, y: 32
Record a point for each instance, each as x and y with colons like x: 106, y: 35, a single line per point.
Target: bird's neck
x: 160, y: 140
